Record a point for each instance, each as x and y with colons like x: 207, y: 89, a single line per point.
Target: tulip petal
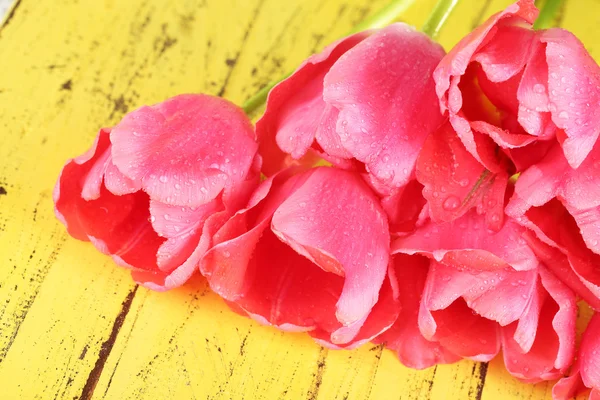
x: 569, y: 386
x: 455, y: 181
x: 404, y: 337
x: 466, y: 243
x: 182, y: 227
x: 574, y: 88
x: 384, y: 314
x: 501, y: 296
x: 295, y: 106
x: 457, y: 60
x: 459, y: 330
x: 228, y: 262
x: 501, y: 58
x: 336, y: 221
x: 553, y: 349
x: 404, y: 206
x: 162, y: 148
x: 588, y: 354
x: 383, y: 90
x: 81, y: 174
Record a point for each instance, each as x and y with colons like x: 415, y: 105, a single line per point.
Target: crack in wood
x: 10, y: 15
x: 315, y: 386
x: 482, y: 372
x: 106, y: 347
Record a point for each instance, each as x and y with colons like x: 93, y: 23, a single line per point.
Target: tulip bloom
x: 309, y: 253
x: 481, y: 291
x: 152, y: 190
x: 366, y: 102
x: 585, y: 374
x: 512, y: 94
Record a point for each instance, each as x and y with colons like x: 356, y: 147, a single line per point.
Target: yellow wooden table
x: 72, y: 325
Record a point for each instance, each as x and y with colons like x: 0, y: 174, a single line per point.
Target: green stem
x: 383, y: 17
x: 547, y: 14
x: 438, y: 17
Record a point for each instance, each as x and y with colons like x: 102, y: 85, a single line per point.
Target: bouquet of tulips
x: 446, y: 205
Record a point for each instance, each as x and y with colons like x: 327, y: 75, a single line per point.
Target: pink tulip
x: 585, y: 374
x: 511, y: 95
x: 367, y: 102
x: 309, y: 253
x: 562, y: 206
x: 482, y: 290
x: 152, y: 191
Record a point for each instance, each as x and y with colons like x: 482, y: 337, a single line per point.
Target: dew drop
x: 539, y: 88
x: 451, y: 203
x: 163, y: 179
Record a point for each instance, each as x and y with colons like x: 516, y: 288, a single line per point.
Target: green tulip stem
x: 547, y: 14
x: 438, y: 17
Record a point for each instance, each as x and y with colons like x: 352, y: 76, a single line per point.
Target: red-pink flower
x: 470, y: 291
x: 367, y: 102
x: 309, y: 253
x: 152, y: 191
x: 585, y: 374
x: 562, y: 206
x: 511, y: 93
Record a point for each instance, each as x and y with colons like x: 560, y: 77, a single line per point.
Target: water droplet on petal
x: 539, y: 88
x: 451, y: 203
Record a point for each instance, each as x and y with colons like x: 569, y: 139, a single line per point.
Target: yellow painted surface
x: 72, y: 325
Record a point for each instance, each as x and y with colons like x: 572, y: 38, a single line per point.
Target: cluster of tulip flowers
x: 447, y: 205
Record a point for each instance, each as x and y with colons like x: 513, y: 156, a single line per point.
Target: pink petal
x: 185, y: 150
x: 466, y: 243
x: 569, y: 386
x: 295, y: 106
x: 559, y: 265
x: 588, y: 354
x: 533, y: 92
x: 501, y: 296
x: 336, y: 221
x: 457, y: 60
x: 182, y: 226
x: 328, y: 138
x: 404, y: 206
x: 404, y: 336
x: 379, y: 320
x: 228, y: 261
x: 502, y: 137
x: 78, y: 215
x: 554, y: 347
x: 455, y: 181
x: 505, y: 54
x: 459, y: 330
x: 385, y: 96
x: 574, y: 87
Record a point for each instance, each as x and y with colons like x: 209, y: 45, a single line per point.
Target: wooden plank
x: 75, y: 326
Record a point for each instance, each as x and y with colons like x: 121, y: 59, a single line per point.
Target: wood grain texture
x: 72, y: 325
